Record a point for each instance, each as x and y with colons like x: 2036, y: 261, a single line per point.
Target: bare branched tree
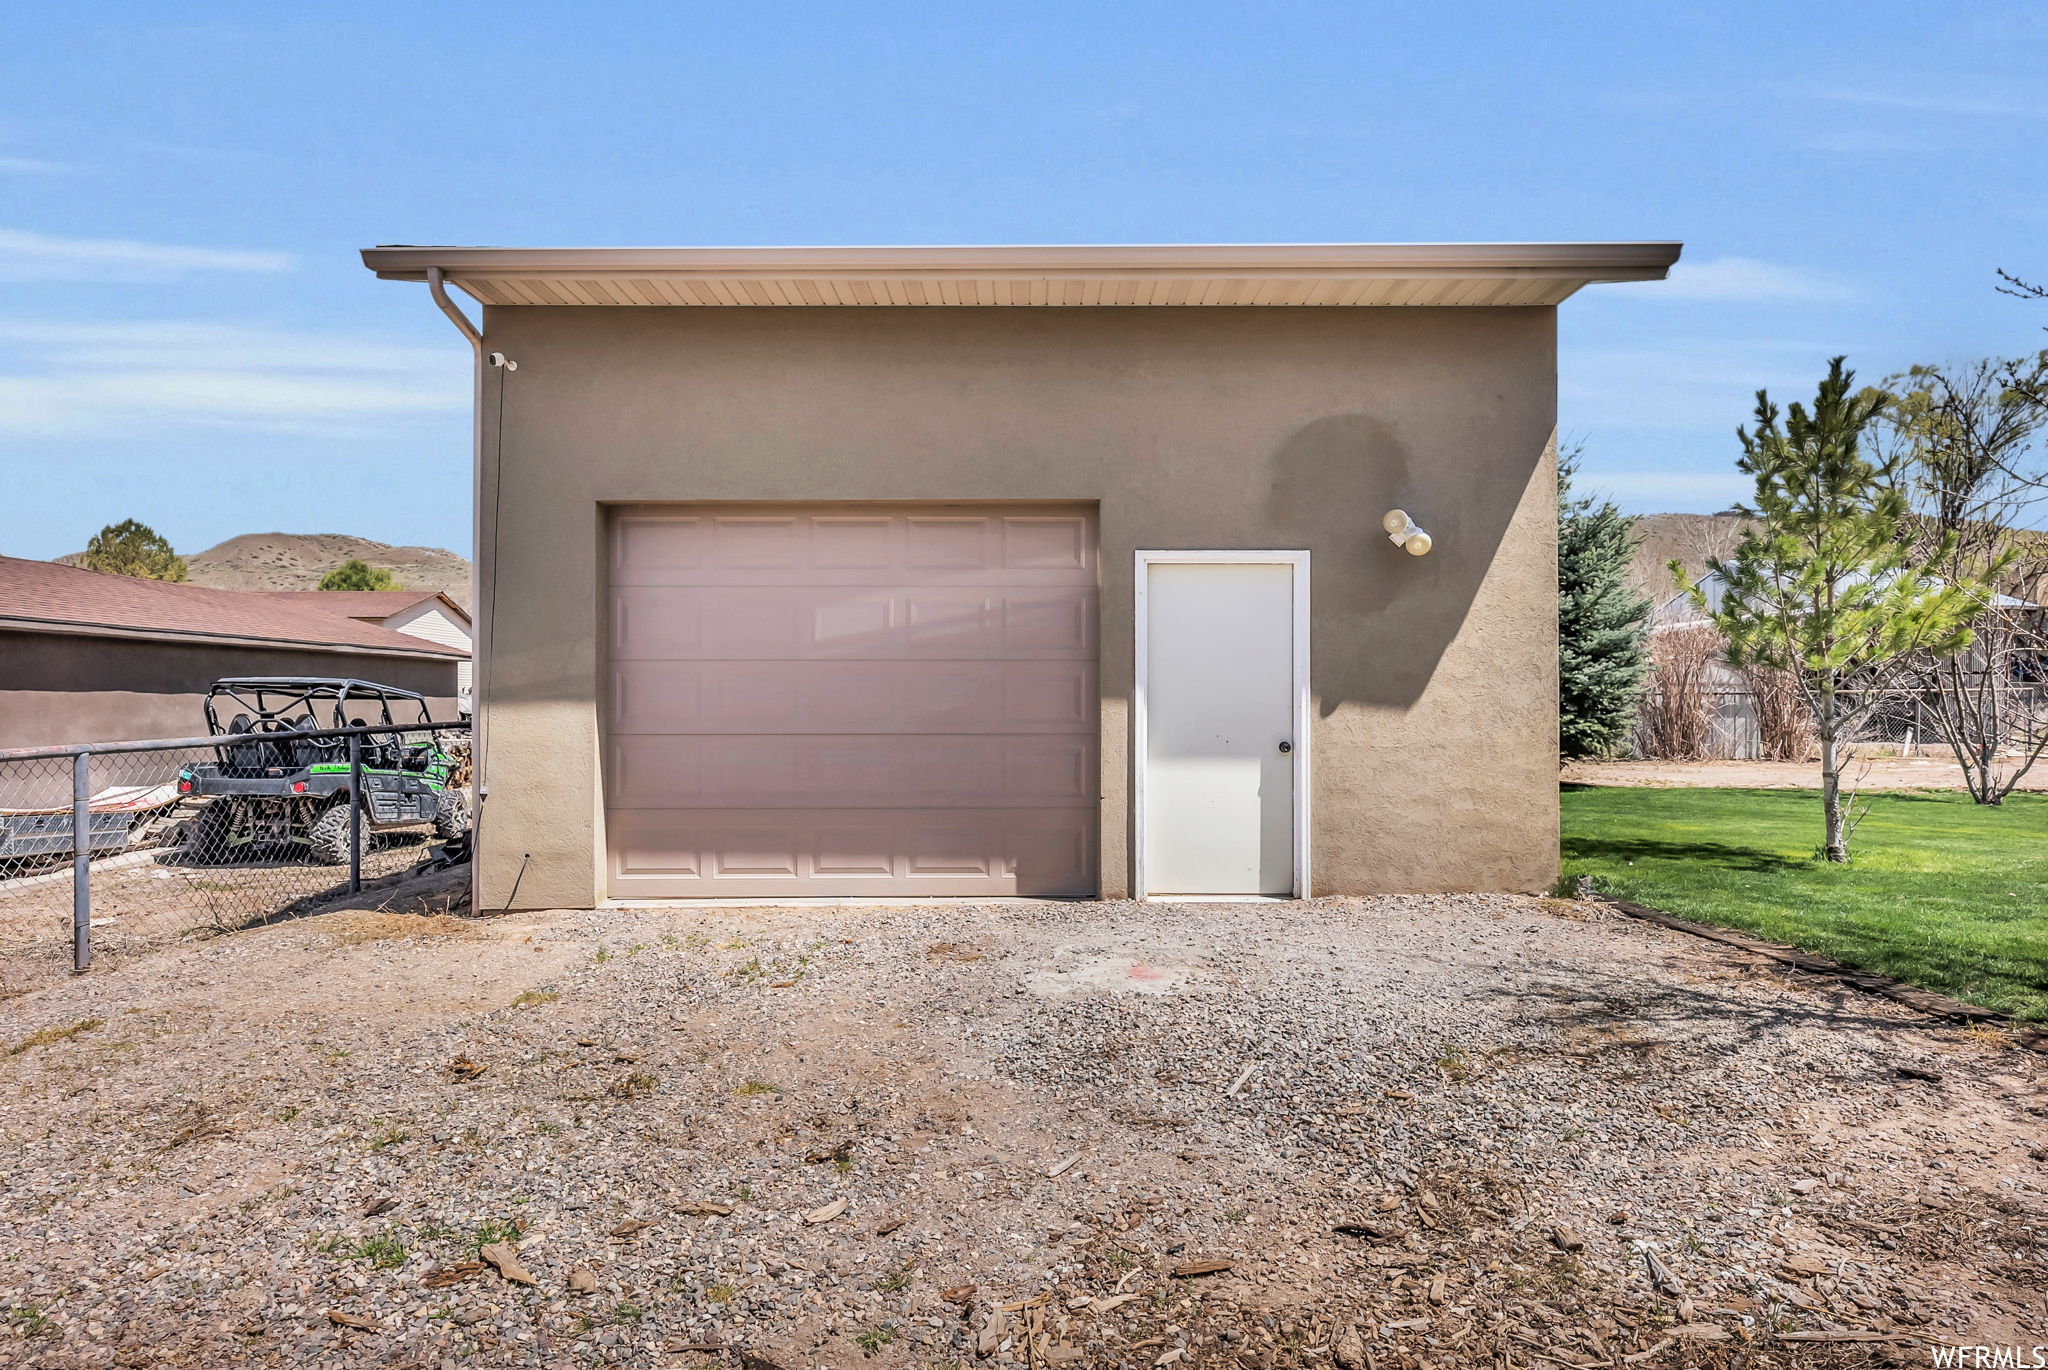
x: 1974, y: 461
x: 1676, y: 721
x: 2025, y: 290
x: 2031, y: 385
x: 1784, y: 720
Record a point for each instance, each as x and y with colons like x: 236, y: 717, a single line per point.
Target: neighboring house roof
x: 371, y: 606
x: 44, y: 597
x: 1121, y: 274
x: 1679, y: 611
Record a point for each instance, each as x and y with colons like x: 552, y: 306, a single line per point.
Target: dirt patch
x: 353, y: 928
x: 1871, y: 773
x: 146, y: 900
x: 1456, y: 1131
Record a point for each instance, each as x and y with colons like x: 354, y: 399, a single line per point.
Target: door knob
x: 1286, y: 747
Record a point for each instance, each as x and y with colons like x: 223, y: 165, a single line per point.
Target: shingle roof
x: 44, y: 596
x: 374, y: 604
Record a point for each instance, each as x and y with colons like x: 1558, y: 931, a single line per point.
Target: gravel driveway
x: 1416, y: 1131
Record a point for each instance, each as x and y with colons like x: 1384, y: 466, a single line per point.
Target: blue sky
x: 187, y: 336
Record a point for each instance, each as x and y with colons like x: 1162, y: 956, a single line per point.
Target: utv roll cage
x: 280, y: 710
x: 269, y: 703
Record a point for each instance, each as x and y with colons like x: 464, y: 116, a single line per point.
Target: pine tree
x: 355, y: 574
x: 1602, y: 623
x: 1824, y: 586
x: 132, y: 549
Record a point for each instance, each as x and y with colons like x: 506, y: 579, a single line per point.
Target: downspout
x: 480, y: 593
x: 438, y: 289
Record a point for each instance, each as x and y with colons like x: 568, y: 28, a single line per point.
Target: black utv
x: 280, y: 788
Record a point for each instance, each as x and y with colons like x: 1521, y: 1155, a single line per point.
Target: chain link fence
x: 1730, y: 724
x: 111, y: 849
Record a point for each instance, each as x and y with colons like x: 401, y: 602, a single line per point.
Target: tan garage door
x: 852, y: 700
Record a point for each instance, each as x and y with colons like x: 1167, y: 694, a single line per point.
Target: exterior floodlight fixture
x: 1402, y: 532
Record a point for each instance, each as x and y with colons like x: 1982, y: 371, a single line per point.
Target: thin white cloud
x: 33, y: 166
x: 151, y: 343
x: 1869, y: 140
x: 44, y: 257
x: 1705, y: 386
x: 1977, y: 99
x: 1740, y: 279
x: 68, y: 380
x: 1652, y: 489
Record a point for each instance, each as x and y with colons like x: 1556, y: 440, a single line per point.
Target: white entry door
x: 1222, y: 661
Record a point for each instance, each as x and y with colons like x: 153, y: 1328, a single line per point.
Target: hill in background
x: 1688, y: 539
x: 296, y: 561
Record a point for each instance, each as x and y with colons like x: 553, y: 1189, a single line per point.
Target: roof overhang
x: 1368, y: 274
x: 73, y: 628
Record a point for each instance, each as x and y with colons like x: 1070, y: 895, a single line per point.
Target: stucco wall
x: 1434, y: 745
x: 58, y: 688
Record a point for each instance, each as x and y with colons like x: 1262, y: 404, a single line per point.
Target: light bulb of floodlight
x: 1418, y: 543
x: 1395, y: 520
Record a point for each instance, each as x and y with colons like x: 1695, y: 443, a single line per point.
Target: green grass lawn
x: 1939, y: 891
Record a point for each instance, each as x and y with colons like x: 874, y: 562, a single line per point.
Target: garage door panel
x: 774, y: 542
x: 1049, y: 543
x: 947, y: 542
x: 756, y: 850
x: 649, y: 623
x: 866, y: 850
x: 646, y: 848
x: 1049, y: 694
x: 1034, y: 625
x: 888, y: 549
x: 948, y: 622
x: 1044, y: 858
x: 879, y: 770
x: 853, y: 696
x: 839, y: 700
x: 671, y: 853
x: 655, y: 545
x: 798, y: 623
x: 748, y: 622
x: 951, y: 846
x: 854, y: 543
x: 875, y: 577
x: 1055, y: 770
x: 657, y: 696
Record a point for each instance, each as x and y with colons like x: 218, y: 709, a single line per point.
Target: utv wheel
x: 327, y: 841
x: 207, y: 834
x: 453, y: 819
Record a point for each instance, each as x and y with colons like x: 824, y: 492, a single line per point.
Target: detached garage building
x: 975, y: 572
